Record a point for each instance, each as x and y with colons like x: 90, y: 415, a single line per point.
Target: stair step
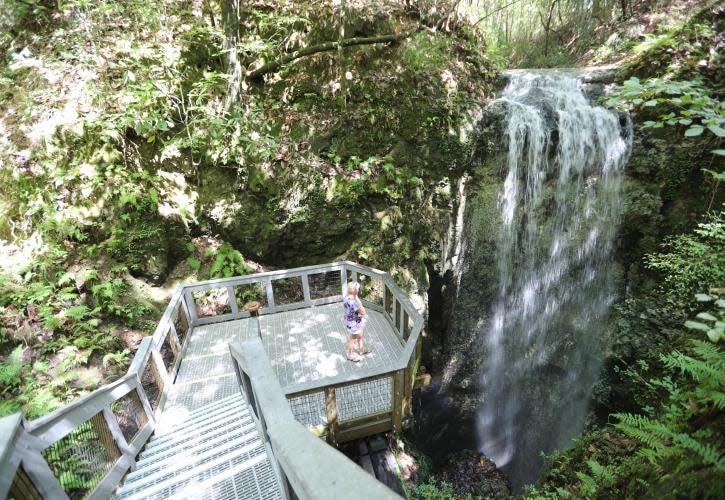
x: 258, y: 477
x: 218, y: 404
x: 191, y: 457
x: 185, y: 424
x: 197, y: 430
x: 185, y: 474
x: 161, y: 447
x: 199, y: 417
x: 212, y: 440
x: 191, y: 487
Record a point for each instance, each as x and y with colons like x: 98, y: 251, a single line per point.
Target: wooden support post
x: 343, y: 280
x: 186, y: 308
x: 407, y: 386
x: 232, y: 300
x: 331, y: 411
x: 174, y: 341
x: 191, y: 307
x: 398, y: 391
x: 112, y: 423
x: 270, y: 292
x: 306, y: 289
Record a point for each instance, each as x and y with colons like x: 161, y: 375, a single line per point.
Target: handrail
x: 150, y: 368
x: 279, y: 274
x: 30, y: 439
x: 312, y: 469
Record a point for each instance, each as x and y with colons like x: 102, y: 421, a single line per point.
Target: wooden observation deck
x: 216, y: 402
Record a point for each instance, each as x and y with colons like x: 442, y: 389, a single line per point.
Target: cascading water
x: 559, y: 213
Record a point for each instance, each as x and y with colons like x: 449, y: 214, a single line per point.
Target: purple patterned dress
x: 353, y: 321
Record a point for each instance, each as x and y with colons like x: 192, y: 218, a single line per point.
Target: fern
x: 718, y: 399
x: 670, y: 436
x: 10, y: 369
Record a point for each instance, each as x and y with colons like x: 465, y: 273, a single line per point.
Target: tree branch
x: 494, y: 12
x: 273, y: 66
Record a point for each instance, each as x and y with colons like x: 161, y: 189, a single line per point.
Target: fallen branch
x: 323, y: 47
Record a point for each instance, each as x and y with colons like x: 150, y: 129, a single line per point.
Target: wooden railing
x: 84, y: 449
x: 307, y: 468
x: 311, y: 286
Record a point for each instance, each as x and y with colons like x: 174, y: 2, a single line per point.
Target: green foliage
x: 691, y: 261
x: 10, y: 369
x: 711, y: 322
x: 117, y: 358
x: 685, y: 103
x: 426, y: 53
x: 669, y: 440
x: 228, y: 262
x: 433, y: 490
x: 72, y: 459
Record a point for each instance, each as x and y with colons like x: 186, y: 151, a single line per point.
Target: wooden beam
x: 364, y: 430
x: 331, y: 412
x: 398, y: 393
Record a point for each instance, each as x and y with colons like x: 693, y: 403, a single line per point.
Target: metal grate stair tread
x: 194, y: 431
x: 192, y: 456
x: 235, y: 408
x: 172, y: 480
x: 153, y: 454
x: 248, y: 481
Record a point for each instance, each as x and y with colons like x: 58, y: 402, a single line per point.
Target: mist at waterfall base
x: 558, y: 212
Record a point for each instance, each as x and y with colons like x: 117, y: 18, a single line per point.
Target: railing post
x: 143, y: 398
x: 175, y: 343
x: 270, y: 292
x: 306, y: 288
x: 232, y: 300
x: 190, y: 307
x: 121, y: 443
x: 331, y: 412
x: 343, y: 280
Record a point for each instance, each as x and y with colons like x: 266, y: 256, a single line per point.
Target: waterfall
x: 559, y: 209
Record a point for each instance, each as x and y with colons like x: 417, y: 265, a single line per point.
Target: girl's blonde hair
x: 353, y: 286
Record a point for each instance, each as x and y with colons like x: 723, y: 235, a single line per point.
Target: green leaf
x: 651, y: 103
x: 195, y: 264
x: 694, y: 131
x: 696, y: 325
x: 685, y: 121
x: 715, y: 334
x: 706, y: 317
x: 718, y: 131
x: 703, y: 297
x: 720, y: 152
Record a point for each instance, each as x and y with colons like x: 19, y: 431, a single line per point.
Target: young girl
x: 354, y: 320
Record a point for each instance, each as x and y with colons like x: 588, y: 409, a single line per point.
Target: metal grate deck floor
x: 303, y: 345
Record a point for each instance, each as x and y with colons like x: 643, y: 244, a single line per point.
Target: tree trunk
x: 230, y: 22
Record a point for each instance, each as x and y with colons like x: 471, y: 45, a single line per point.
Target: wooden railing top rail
x: 257, y: 277
x: 313, y: 469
